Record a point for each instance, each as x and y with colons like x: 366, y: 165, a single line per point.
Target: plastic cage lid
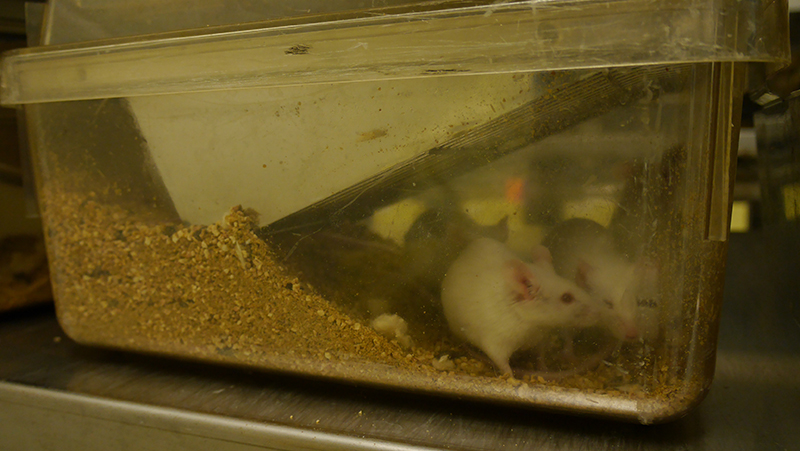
x: 409, y: 41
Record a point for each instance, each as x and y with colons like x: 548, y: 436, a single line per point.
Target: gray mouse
x: 501, y: 304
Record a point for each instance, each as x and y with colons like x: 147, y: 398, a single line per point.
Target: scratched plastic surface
x: 491, y: 219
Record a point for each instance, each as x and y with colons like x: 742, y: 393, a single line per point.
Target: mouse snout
x: 631, y: 333
x: 628, y: 331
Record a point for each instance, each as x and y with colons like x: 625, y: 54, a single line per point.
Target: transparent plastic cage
x: 522, y: 202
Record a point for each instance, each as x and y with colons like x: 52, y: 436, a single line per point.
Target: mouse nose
x: 625, y: 330
x: 631, y: 332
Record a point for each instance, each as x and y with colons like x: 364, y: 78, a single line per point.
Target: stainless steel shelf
x: 55, y: 394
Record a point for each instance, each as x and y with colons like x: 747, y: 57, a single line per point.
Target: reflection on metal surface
x: 75, y: 420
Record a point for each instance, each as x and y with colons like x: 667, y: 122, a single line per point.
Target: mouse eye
x: 567, y: 298
x: 608, y: 303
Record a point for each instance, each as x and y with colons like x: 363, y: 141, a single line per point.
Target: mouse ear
x: 524, y: 283
x: 541, y: 254
x: 582, y: 274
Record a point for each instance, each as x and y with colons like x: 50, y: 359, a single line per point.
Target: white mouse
x: 502, y: 304
x: 583, y: 251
